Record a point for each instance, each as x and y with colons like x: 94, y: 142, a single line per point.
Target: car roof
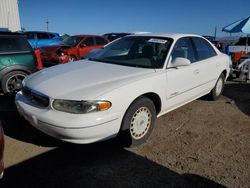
x: 86, y: 35
x: 168, y: 35
x: 10, y: 33
x: 40, y: 32
x: 117, y: 33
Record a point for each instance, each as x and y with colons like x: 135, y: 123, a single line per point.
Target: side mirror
x: 180, y: 61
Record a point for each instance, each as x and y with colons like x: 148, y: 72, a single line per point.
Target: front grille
x: 36, y: 98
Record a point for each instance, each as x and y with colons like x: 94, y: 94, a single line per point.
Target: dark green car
x: 17, y: 60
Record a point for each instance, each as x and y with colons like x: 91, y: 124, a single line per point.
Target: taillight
x: 39, y: 60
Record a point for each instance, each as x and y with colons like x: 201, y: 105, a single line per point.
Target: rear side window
x: 89, y: 41
x: 13, y: 44
x: 42, y: 36
x: 100, y: 41
x: 30, y: 35
x: 203, y: 48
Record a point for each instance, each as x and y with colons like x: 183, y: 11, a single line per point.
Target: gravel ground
x: 202, y: 144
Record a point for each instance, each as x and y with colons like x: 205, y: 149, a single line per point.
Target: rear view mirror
x: 180, y: 61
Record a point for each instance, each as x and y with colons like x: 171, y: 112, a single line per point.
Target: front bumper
x: 75, y: 128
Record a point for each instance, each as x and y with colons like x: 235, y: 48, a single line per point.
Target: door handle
x: 196, y: 72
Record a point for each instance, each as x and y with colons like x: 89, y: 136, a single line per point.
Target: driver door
x: 182, y: 81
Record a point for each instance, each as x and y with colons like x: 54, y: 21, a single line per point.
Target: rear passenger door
x: 207, y: 62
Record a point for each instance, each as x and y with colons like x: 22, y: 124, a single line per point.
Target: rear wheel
x: 12, y: 82
x: 218, y: 88
x: 138, y: 122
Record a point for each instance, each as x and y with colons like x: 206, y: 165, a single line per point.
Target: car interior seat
x: 148, y: 51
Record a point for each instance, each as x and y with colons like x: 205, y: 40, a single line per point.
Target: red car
x: 80, y: 45
x: 1, y: 151
x: 72, y: 48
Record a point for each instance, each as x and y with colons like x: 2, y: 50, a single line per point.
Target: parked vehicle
x: 72, y: 48
x: 113, y: 36
x: 80, y: 45
x: 17, y: 60
x: 1, y: 151
x: 124, y: 88
x: 38, y: 39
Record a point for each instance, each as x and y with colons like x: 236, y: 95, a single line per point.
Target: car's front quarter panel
x: 122, y: 97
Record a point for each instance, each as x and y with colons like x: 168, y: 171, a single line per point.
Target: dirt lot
x: 202, y: 144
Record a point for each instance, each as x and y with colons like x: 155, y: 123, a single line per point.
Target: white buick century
x: 123, y: 88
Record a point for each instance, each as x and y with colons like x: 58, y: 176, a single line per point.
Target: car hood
x: 83, y: 79
x: 53, y: 48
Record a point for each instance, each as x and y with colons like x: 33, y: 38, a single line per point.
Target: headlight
x: 80, y: 107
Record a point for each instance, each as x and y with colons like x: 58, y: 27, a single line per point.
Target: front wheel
x: 12, y: 82
x: 72, y: 58
x: 138, y: 122
x: 218, y: 88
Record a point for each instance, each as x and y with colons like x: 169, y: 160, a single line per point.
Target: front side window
x: 136, y: 51
x: 203, y: 48
x: 72, y: 41
x: 184, y: 48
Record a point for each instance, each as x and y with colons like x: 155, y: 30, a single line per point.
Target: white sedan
x: 124, y: 88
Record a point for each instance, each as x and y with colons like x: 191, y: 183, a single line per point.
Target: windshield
x: 137, y: 51
x: 72, y: 41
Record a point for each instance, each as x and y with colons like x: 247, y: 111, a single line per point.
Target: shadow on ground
x: 18, y: 128
x: 103, y: 164
x: 96, y: 165
x: 240, y: 95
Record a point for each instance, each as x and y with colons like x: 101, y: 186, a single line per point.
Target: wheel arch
x: 74, y: 56
x: 156, y: 100
x: 9, y: 69
x: 224, y: 72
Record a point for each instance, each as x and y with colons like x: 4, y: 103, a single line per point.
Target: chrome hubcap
x: 219, y: 86
x: 140, y: 123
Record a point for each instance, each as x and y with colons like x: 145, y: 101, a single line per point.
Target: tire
x: 12, y: 82
x: 218, y: 88
x: 72, y: 58
x: 138, y: 122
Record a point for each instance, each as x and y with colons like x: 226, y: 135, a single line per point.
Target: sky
x: 160, y: 16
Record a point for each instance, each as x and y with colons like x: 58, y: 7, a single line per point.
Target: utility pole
x: 47, y: 24
x: 215, y: 32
